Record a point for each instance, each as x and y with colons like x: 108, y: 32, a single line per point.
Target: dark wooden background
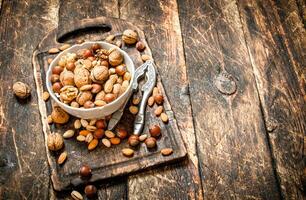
x: 245, y: 137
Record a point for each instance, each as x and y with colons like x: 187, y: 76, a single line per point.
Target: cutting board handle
x: 67, y: 30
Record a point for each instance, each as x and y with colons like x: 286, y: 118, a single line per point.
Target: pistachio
x: 76, y: 195
x: 81, y: 138
x: 151, y: 101
x: 90, y: 128
x: 53, y: 50
x: 143, y: 137
x: 64, y: 47
x: 158, y: 110
x: 109, y: 134
x: 106, y: 142
x: 68, y: 134
x: 89, y: 138
x: 77, y: 124
x: 128, y: 152
x: 84, y: 123
x: 164, y: 117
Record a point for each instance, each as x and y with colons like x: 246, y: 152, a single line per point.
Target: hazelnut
x: 150, y: 142
x: 55, y: 78
x: 74, y: 104
x: 133, y: 140
x: 57, y: 70
x: 109, y: 97
x: 129, y: 36
x: 100, y: 96
x: 85, y: 171
x: 81, y: 77
x: 99, y: 133
x: 70, y: 66
x: 83, y: 97
x: 90, y: 191
x: 121, y: 69
x: 87, y: 53
x: 96, y: 88
x: 56, y: 87
x: 21, y: 90
x: 67, y: 78
x: 104, y: 63
x: 140, y: 46
x: 55, y: 141
x: 154, y: 131
x: 121, y: 133
x: 159, y: 99
x: 59, y: 116
x: 115, y: 58
x: 100, y: 124
x: 99, y: 74
x: 95, y: 47
x: 68, y: 93
x: 89, y: 104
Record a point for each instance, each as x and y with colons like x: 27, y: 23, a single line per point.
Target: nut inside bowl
x: 96, y: 112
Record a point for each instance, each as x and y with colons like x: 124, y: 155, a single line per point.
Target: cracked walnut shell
x: 68, y: 93
x: 81, y: 77
x: 21, y: 90
x: 55, y: 141
x: 99, y: 74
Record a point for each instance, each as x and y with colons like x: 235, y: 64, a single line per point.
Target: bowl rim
x: 49, y: 73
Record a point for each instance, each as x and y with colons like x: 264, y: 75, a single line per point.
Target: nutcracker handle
x: 65, y: 31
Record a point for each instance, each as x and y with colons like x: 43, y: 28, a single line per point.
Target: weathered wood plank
x: 276, y: 41
x: 232, y: 144
x: 160, y: 22
x: 23, y: 165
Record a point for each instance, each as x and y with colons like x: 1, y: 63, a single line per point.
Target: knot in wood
x: 225, y: 83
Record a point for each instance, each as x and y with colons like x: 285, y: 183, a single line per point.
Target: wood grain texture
x: 276, y: 39
x: 232, y: 145
x: 23, y: 165
x: 159, y: 20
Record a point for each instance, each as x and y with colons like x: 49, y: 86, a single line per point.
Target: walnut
x: 67, y: 78
x: 55, y: 142
x: 81, y: 77
x: 83, y: 97
x: 115, y: 58
x: 99, y: 74
x: 68, y: 93
x: 21, y: 90
x: 59, y: 116
x: 129, y: 36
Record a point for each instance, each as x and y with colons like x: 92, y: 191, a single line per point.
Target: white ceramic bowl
x: 97, y: 112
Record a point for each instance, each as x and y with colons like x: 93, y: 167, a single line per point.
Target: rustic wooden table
x: 234, y: 72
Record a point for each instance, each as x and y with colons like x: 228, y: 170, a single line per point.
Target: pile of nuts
x: 90, y: 77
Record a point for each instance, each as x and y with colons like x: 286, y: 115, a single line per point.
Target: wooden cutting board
x: 105, y: 162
